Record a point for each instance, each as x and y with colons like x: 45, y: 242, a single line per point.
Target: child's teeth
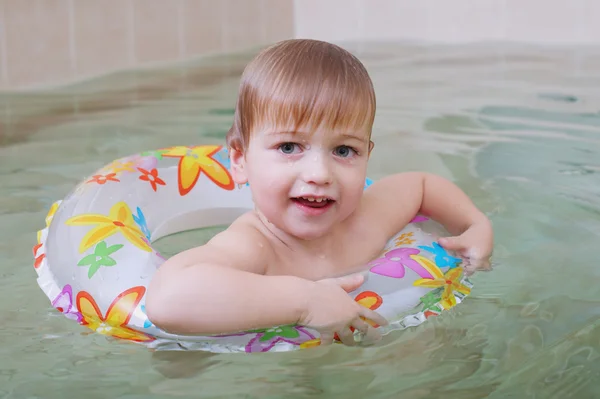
x: 311, y: 199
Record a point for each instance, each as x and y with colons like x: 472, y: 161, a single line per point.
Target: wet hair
x: 302, y: 83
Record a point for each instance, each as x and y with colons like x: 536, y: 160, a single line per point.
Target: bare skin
x: 271, y: 276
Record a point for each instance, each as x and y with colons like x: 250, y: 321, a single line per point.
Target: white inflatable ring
x: 94, y: 258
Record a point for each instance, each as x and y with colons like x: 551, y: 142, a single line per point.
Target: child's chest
x: 350, y: 255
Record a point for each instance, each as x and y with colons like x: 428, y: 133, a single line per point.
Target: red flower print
x: 152, y: 177
x: 102, y: 179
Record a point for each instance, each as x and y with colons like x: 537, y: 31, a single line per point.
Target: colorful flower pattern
x: 405, y: 239
x: 64, y: 304
x: 114, y: 323
x: 195, y: 160
x: 442, y: 257
x: 393, y: 263
x: 119, y: 220
x: 140, y: 220
x: 223, y: 158
x: 120, y: 166
x: 450, y: 281
x: 156, y: 154
x: 214, y: 162
x: 151, y: 177
x: 38, y: 252
x: 103, y: 179
x: 370, y: 300
x: 266, y: 339
x: 100, y: 257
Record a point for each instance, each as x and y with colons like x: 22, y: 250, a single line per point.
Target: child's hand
x: 331, y: 310
x: 474, y: 246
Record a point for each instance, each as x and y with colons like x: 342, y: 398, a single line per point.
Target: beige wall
x: 450, y: 21
x: 48, y: 42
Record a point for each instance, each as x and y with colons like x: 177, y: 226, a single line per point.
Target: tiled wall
x: 450, y: 21
x: 48, y: 42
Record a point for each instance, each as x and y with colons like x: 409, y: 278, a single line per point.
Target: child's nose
x: 317, y: 171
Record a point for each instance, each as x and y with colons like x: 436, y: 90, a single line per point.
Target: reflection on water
x: 517, y: 127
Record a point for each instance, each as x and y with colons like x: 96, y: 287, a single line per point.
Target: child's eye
x: 343, y: 151
x: 288, y: 148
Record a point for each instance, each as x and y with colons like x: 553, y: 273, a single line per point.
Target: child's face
x: 305, y: 182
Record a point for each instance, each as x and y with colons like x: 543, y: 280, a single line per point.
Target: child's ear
x: 371, y: 145
x: 238, y: 166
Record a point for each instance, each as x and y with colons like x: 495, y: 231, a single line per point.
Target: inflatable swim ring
x: 94, y: 258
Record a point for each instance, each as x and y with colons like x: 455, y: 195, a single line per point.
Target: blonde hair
x: 302, y: 82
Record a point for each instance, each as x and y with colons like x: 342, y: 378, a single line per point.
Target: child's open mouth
x: 313, y: 202
x: 313, y: 206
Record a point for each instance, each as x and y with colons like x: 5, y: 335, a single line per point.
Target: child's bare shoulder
x: 241, y: 246
x: 390, y: 203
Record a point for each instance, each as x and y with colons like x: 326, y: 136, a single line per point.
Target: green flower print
x: 267, y: 338
x: 158, y: 154
x: 431, y: 300
x: 280, y: 331
x: 100, y: 257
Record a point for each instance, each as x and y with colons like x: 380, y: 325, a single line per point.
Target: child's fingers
x: 326, y: 337
x: 373, y: 316
x: 346, y: 336
x: 451, y: 243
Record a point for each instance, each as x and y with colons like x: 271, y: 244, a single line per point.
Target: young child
x: 301, y: 139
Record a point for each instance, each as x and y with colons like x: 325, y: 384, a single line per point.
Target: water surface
x: 517, y: 127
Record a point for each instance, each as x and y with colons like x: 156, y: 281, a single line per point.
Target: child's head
x: 301, y: 134
x: 302, y: 83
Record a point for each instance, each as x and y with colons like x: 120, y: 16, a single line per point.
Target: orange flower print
x: 152, y: 177
x: 38, y: 258
x: 404, y: 239
x: 196, y: 160
x: 39, y: 246
x: 429, y: 313
x: 114, y: 323
x: 102, y: 179
x: 369, y: 300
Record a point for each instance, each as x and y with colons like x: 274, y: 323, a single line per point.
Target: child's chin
x: 309, y: 233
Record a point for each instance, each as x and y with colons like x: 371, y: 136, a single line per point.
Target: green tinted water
x: 518, y: 128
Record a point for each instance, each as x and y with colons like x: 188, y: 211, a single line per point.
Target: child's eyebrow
x: 304, y: 133
x: 355, y: 136
x: 283, y: 132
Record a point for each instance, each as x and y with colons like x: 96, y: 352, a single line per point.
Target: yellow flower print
x: 311, y: 343
x: 195, y: 160
x: 119, y: 220
x: 450, y: 281
x: 404, y: 239
x: 119, y: 166
x: 119, y: 313
x: 48, y: 220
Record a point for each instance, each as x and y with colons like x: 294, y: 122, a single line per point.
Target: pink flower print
x: 64, y: 304
x: 144, y: 162
x: 392, y: 264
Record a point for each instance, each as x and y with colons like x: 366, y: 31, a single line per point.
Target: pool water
x: 517, y: 127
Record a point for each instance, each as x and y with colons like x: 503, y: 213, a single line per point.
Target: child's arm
x: 219, y: 288
x: 393, y: 201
